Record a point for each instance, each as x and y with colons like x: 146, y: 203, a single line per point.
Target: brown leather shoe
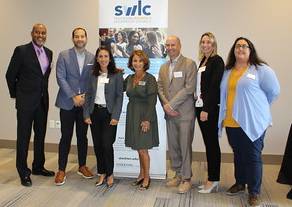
x: 173, y: 182
x: 235, y: 189
x: 85, y: 172
x: 60, y: 178
x: 253, y: 200
x: 184, y: 186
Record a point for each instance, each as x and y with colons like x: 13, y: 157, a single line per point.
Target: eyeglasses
x: 237, y: 46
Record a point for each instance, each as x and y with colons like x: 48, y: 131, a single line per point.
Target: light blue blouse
x: 255, y: 91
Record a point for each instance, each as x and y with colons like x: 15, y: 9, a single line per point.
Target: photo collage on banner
x: 125, y: 26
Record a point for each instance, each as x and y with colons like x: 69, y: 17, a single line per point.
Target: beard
x: 79, y: 44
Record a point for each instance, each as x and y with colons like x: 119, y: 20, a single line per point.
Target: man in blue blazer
x: 72, y: 69
x: 27, y: 79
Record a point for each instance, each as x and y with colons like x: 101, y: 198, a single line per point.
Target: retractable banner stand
x: 125, y: 26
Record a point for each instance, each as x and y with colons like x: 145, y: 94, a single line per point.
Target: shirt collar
x: 175, y: 59
x: 79, y: 53
x: 36, y: 47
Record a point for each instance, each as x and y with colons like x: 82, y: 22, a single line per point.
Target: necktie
x: 42, y: 59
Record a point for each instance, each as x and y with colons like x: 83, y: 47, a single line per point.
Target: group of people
x: 123, y: 42
x: 236, y: 96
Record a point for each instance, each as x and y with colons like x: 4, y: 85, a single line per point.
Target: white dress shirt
x: 172, y: 66
x: 80, y: 59
x: 101, y: 81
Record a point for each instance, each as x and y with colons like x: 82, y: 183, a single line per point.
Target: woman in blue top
x: 248, y: 88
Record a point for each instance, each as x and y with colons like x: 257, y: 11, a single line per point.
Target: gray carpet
x: 81, y: 192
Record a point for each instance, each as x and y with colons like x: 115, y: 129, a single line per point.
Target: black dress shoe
x: 289, y: 195
x: 43, y: 172
x: 26, y: 181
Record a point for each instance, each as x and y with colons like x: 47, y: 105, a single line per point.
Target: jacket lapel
x: 35, y: 59
x: 86, y: 62
x: 177, y: 66
x: 49, y: 61
x: 94, y: 85
x: 166, y: 73
x: 75, y: 61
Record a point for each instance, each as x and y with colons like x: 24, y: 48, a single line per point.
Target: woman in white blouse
x: 102, y: 109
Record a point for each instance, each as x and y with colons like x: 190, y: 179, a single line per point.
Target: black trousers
x: 68, y: 118
x: 285, y: 174
x: 209, y: 131
x: 103, y: 135
x: 26, y: 120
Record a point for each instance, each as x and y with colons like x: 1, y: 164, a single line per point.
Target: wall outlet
x: 52, y: 124
x: 58, y: 124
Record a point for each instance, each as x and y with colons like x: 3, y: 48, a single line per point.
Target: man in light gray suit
x: 176, y: 87
x: 73, y: 68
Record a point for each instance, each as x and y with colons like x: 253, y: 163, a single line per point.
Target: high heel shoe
x: 201, y: 186
x: 214, y: 188
x: 100, y: 180
x: 110, y: 181
x: 145, y: 187
x: 138, y: 182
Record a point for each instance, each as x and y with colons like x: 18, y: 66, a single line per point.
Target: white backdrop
x: 136, y: 14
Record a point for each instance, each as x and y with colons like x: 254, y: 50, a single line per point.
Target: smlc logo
x: 138, y: 10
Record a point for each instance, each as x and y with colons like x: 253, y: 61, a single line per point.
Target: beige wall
x: 266, y: 22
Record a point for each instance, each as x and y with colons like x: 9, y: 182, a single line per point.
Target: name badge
x: 251, y: 76
x: 89, y: 63
x: 199, y: 102
x: 104, y: 80
x: 177, y: 74
x: 142, y: 83
x: 202, y: 69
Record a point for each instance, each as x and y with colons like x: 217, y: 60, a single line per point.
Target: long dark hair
x: 253, y: 56
x: 111, y: 66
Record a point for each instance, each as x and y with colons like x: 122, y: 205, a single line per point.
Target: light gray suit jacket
x: 69, y: 79
x: 179, y: 91
x: 113, y: 92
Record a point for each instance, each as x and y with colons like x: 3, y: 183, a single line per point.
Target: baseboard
x: 197, y: 156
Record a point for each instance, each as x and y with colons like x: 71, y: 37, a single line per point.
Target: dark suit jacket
x: 210, y: 82
x: 25, y: 79
x: 113, y: 92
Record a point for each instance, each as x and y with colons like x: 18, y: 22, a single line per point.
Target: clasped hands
x: 79, y: 100
x: 145, y: 126
x: 169, y: 111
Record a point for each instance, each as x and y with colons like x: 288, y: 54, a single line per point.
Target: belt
x: 100, y: 106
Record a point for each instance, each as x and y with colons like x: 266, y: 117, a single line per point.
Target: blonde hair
x: 212, y: 37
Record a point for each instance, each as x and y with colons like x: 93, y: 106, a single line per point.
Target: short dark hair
x: 111, y: 66
x: 78, y: 28
x: 141, y: 54
x: 253, y: 56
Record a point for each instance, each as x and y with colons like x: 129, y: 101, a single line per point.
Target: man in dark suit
x: 72, y: 69
x: 27, y: 79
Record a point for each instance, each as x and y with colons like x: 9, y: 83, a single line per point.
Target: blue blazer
x: 69, y: 79
x: 113, y: 92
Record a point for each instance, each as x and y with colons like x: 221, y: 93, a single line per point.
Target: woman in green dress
x: 141, y: 119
